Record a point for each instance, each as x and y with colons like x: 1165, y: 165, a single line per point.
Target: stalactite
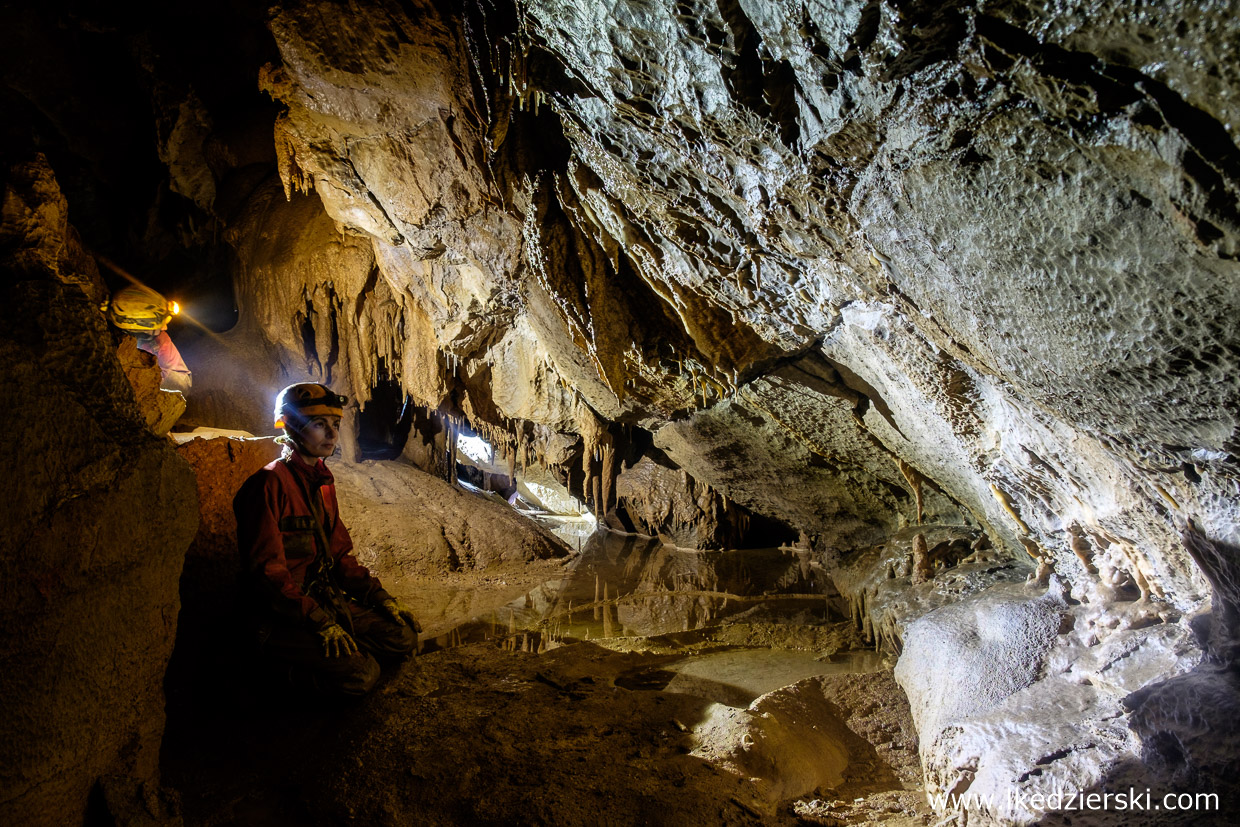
x: 1006, y: 503
x: 1081, y: 548
x: 914, y: 479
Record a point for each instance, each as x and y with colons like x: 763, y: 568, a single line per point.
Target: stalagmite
x: 923, y: 565
x: 608, y: 476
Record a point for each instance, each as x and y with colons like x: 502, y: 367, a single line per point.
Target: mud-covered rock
x: 407, y: 523
x: 657, y: 501
x: 221, y: 464
x: 160, y: 408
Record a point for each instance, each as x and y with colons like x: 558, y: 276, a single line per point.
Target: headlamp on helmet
x: 140, y: 309
x: 298, y: 404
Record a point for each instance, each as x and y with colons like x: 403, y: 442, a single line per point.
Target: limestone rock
x: 790, y: 739
x: 213, y: 645
x: 659, y: 502
x: 815, y: 734
x: 99, y: 512
x: 160, y: 408
x: 1185, y: 728
x: 405, y: 522
x: 220, y: 465
x: 856, y: 266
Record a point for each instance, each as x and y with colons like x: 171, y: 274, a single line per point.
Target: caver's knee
x: 406, y: 640
x: 392, y: 639
x: 353, y: 677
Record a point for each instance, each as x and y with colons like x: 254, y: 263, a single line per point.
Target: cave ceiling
x: 851, y: 264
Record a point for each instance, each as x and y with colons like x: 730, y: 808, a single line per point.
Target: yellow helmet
x: 298, y: 403
x: 140, y: 309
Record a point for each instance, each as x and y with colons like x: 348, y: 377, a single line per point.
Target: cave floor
x: 478, y: 735
x: 534, y: 704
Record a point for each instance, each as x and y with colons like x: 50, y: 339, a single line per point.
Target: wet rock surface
x: 481, y: 736
x: 403, y: 520
x: 511, y: 717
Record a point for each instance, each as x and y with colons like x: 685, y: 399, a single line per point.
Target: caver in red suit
x: 317, y: 609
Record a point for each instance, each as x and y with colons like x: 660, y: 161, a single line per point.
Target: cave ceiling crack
x: 1118, y: 87
x: 397, y: 237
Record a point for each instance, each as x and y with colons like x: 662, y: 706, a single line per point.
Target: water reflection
x: 735, y: 677
x: 626, y: 586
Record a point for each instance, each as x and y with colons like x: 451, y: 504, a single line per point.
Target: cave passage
x: 383, y: 425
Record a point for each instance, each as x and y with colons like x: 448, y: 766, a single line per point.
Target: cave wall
x: 98, y: 513
x: 999, y: 237
x: 847, y: 261
x: 858, y: 266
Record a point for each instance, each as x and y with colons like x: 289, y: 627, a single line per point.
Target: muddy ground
x: 479, y: 734
x: 621, y: 683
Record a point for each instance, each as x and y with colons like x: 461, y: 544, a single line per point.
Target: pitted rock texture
x: 981, y: 243
x: 98, y: 512
x: 1001, y: 237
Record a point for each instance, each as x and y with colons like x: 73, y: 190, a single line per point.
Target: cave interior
x: 775, y: 411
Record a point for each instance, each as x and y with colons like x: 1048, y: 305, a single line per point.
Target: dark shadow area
x: 383, y: 425
x: 151, y: 132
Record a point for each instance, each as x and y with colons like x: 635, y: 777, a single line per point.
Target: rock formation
x: 98, y: 514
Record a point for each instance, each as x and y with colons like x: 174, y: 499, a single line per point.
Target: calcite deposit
x: 944, y: 293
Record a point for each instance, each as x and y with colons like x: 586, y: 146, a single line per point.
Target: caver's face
x: 318, y: 437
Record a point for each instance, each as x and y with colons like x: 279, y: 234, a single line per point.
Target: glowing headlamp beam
x: 176, y: 308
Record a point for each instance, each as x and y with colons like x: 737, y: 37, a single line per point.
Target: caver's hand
x: 399, y: 613
x: 337, y: 642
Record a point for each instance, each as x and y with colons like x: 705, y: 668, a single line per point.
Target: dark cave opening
x: 383, y: 424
